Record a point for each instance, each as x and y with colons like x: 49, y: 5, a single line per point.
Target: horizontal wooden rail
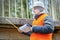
x: 20, y: 21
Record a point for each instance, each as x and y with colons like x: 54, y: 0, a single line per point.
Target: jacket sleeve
x: 47, y: 28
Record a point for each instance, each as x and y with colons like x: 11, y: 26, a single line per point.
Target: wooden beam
x: 20, y: 21
x: 17, y: 21
x: 11, y: 34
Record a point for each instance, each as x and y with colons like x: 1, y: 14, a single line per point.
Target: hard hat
x: 38, y: 3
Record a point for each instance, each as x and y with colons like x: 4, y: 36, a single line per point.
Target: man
x: 42, y: 26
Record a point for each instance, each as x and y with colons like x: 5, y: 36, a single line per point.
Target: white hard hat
x: 38, y: 3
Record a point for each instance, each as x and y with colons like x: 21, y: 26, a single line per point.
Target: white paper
x: 25, y: 28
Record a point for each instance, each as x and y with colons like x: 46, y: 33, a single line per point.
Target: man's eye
x: 34, y: 8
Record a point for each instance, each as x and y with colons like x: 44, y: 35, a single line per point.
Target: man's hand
x: 25, y: 28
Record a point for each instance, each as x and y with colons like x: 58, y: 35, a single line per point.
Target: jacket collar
x: 37, y: 16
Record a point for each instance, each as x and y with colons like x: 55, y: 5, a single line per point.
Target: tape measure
x: 11, y: 23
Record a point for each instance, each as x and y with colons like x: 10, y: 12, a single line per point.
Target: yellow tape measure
x: 12, y: 23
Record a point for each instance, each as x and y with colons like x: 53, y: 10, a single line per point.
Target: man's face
x: 36, y: 11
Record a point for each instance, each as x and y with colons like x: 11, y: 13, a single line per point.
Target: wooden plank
x: 19, y: 21
x: 56, y: 35
x: 11, y: 34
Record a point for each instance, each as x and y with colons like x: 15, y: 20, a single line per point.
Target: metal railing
x: 54, y: 9
x: 21, y: 8
x: 15, y: 8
